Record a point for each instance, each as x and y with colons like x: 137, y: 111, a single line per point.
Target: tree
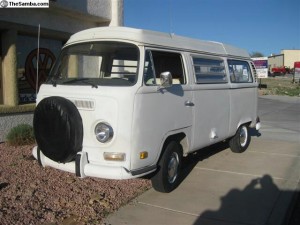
x: 256, y: 54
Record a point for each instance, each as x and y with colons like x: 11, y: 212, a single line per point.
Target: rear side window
x: 209, y: 70
x: 239, y: 71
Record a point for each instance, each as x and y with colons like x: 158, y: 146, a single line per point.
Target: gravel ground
x: 30, y: 194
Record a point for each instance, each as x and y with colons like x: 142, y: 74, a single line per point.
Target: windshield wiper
x: 83, y: 80
x: 90, y: 83
x: 53, y: 82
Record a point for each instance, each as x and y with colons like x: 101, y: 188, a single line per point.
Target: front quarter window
x: 98, y: 64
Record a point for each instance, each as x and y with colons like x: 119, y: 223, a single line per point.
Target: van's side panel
x: 243, y: 100
x: 243, y: 104
x: 211, y: 114
x: 212, y: 101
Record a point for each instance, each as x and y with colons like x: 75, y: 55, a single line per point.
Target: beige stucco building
x: 19, y: 41
x: 291, y: 56
x: 286, y: 58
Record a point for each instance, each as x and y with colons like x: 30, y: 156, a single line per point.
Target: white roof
x: 154, y: 38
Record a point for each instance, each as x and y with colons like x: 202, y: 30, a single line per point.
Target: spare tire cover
x: 58, y: 129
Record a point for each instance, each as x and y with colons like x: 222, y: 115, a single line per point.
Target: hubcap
x: 173, y: 167
x: 243, y: 136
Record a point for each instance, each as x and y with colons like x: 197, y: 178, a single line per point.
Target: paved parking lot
x: 220, y: 187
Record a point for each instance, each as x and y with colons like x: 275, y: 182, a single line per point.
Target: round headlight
x: 103, y: 132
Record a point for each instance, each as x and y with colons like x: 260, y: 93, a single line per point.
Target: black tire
x: 241, y: 140
x: 168, y: 175
x: 58, y: 129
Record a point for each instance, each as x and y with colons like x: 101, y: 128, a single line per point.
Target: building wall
x: 18, y: 44
x: 275, y: 61
x: 117, y: 13
x: 286, y: 58
x: 19, y: 31
x: 64, y: 17
x: 291, y: 56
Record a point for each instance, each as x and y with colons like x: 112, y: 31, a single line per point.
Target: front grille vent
x: 84, y: 104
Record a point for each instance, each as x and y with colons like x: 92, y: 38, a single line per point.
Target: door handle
x: 189, y: 103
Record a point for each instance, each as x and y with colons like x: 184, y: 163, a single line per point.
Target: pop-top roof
x: 154, y: 38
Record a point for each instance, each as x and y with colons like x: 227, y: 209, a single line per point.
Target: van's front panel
x: 99, y: 79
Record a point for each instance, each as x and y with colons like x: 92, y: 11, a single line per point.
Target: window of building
x: 28, y: 81
x: 239, y: 71
x: 157, y: 62
x: 209, y: 70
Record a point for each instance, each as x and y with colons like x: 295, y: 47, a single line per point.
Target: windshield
x: 97, y: 63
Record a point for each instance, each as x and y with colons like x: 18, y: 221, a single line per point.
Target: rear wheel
x: 241, y: 140
x: 167, y: 177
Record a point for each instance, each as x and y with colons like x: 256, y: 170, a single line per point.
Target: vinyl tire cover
x: 58, y: 129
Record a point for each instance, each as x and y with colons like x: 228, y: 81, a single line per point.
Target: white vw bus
x: 121, y: 103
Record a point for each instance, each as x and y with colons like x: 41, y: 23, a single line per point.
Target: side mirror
x: 166, y: 79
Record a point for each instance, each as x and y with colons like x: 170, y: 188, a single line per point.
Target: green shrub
x: 20, y: 135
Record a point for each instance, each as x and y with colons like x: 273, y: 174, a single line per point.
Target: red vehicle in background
x: 276, y: 71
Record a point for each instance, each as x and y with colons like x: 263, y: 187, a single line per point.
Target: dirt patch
x: 30, y: 194
x: 279, y: 86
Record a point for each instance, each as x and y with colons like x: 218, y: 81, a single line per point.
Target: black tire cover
x: 58, y: 129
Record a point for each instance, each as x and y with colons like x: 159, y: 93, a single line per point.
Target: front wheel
x: 167, y: 177
x: 241, y: 140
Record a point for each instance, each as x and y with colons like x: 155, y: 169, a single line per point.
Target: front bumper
x: 83, y: 168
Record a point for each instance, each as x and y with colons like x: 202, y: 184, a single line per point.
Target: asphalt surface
x: 224, y: 188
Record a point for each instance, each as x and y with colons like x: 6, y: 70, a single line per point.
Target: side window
x: 157, y: 62
x: 209, y: 71
x: 149, y: 73
x: 239, y: 71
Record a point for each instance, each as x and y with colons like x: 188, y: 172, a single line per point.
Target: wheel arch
x: 235, y: 127
x: 247, y: 122
x: 167, y: 176
x: 180, y: 137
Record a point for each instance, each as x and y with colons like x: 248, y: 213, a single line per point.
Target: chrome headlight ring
x: 103, y: 132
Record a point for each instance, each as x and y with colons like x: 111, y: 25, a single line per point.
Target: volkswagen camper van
x: 122, y: 103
